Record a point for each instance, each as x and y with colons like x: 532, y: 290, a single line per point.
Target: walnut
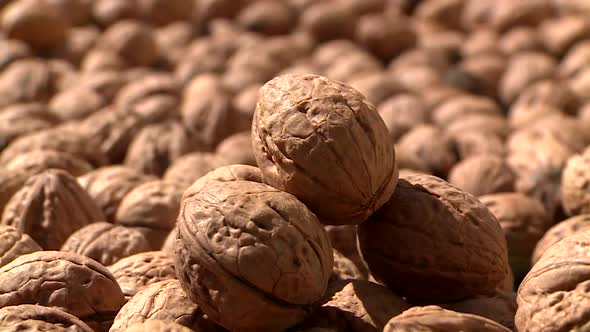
x: 26, y: 80
x: 574, y: 193
x: 165, y: 301
x: 401, y: 113
x: 267, y: 17
x: 434, y: 318
x: 132, y: 40
x: 343, y: 239
x: 560, y: 231
x: 524, y: 221
x: 71, y: 282
x: 457, y: 108
x: 204, y: 55
x: 575, y: 60
x: 101, y: 60
x: 376, y: 87
x: 77, y: 103
x: 345, y: 269
x: 324, y: 21
x: 205, y: 110
x: 487, y: 70
x: 244, y: 105
x: 190, y: 167
x: 549, y: 296
x: 136, y: 272
x: 33, y: 317
x: 446, y: 13
x: 483, y: 174
x: 22, y: 119
x: 314, y: 161
x: 35, y: 22
x: 326, y: 53
x: 508, y: 14
x: 407, y: 160
x: 10, y: 182
x: 225, y: 174
x: 13, y: 244
x: 38, y: 161
x: 209, y: 10
x: 108, y: 12
x: 472, y: 143
x: 106, y: 243
x: 163, y: 12
x: 156, y: 325
x: 501, y: 308
x: 524, y: 69
x: 490, y: 124
x: 550, y: 93
x: 50, y: 207
x: 454, y: 246
x: 249, y: 65
x: 385, y: 37
x: 353, y: 66
x: 481, y: 42
x: 356, y: 305
x: 174, y: 38
x: 12, y: 50
x: 559, y: 34
x: 156, y: 146
x: 237, y: 149
x: 521, y: 39
x: 252, y: 280
x: 109, y: 185
x: 432, y: 145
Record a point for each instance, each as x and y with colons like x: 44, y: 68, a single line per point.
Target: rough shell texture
x: 225, y: 174
x: 344, y: 268
x: 106, y: 243
x: 575, y: 196
x: 524, y: 221
x: 50, y: 207
x: 559, y: 232
x: 157, y: 326
x: 322, y: 142
x: 482, y: 175
x: 30, y: 317
x: 136, y: 272
x: 72, y: 282
x: 437, y: 319
x: 13, y: 244
x: 166, y: 301
x: 549, y: 297
x: 109, y: 185
x: 357, y: 306
x: 154, y: 204
x: 500, y: 308
x: 454, y: 247
x: 189, y: 168
x: 37, y: 161
x: 254, y: 258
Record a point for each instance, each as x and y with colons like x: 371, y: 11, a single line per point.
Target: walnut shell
x: 156, y: 146
x: 32, y: 317
x: 314, y: 161
x: 165, y: 301
x: 501, y: 308
x: 71, y: 282
x: 35, y: 22
x: 190, y: 167
x: 559, y: 232
x: 520, y: 39
x: 483, y: 174
x: 27, y: 80
x: 237, y: 149
x: 472, y: 143
x: 456, y: 108
x: 575, y: 60
x: 136, y: 272
x: 38, y: 161
x: 132, y: 40
x: 376, y: 87
x: 156, y: 325
x: 21, y: 119
x: 163, y: 12
x: 524, y: 69
x: 325, y: 22
x: 12, y: 50
x: 13, y: 244
x: 344, y: 268
x: 433, y: 319
x: 549, y: 297
x: 267, y: 278
x: 225, y: 174
x: 106, y: 243
x: 343, y: 240
x: 508, y: 14
x: 401, y: 113
x: 574, y: 193
x: 356, y: 305
x: 524, y: 221
x: 385, y: 37
x: 454, y: 246
x: 267, y: 17
x: 10, y: 183
x: 109, y: 185
x: 77, y: 103
x: 50, y: 207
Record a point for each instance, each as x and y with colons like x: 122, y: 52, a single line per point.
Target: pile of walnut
x: 294, y: 165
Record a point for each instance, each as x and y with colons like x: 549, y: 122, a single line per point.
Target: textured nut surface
x: 154, y: 204
x: 321, y: 141
x: 574, y: 194
x: 225, y: 174
x: 454, y: 247
x: 254, y: 258
x: 30, y: 317
x: 136, y: 272
x: 549, y: 297
x: 13, y: 244
x: 74, y: 283
x: 50, y: 207
x: 501, y: 308
x: 190, y: 167
x: 109, y: 185
x: 105, y: 242
x: 559, y: 232
x: 156, y: 325
x: 356, y: 305
x: 37, y: 161
x: 166, y: 301
x: 482, y: 175
x: 437, y: 319
x: 10, y: 183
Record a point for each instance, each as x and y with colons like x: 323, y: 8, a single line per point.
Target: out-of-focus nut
x: 376, y: 87
x: 26, y: 80
x: 132, y: 40
x: 559, y: 34
x: 321, y: 141
x: 434, y: 318
x: 457, y: 108
x: 256, y: 282
x: 559, y: 232
x: 483, y: 174
x: 501, y: 308
x: 13, y: 244
x: 163, y: 12
x: 237, y: 149
x: 474, y: 143
x: 75, y: 104
x: 524, y: 69
x: 574, y: 189
x: 401, y: 113
x: 267, y: 17
x: 190, y: 167
x: 156, y: 325
x: 39, y: 318
x: 38, y: 161
x: 455, y: 247
x: 508, y: 14
x: 324, y: 21
x: 384, y: 36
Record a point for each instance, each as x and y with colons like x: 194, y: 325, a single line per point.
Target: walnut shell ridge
x: 321, y: 141
x: 13, y: 244
x: 254, y: 258
x: 32, y: 317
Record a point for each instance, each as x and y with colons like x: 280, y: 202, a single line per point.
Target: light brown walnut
x: 38, y: 161
x: 156, y: 325
x: 190, y: 167
x: 13, y: 244
x: 560, y: 231
x: 483, y: 174
x: 31, y: 317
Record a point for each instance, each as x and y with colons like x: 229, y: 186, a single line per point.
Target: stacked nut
x: 294, y: 165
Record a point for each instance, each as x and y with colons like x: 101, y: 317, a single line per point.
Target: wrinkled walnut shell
x: 32, y: 317
x: 14, y: 244
x: 559, y: 232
